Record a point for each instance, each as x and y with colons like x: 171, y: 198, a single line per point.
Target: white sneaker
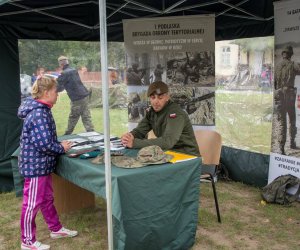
x: 35, y: 246
x: 63, y: 233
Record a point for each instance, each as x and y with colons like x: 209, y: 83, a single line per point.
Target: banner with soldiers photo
x: 179, y: 51
x: 285, y: 147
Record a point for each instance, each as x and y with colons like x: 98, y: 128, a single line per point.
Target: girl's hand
x: 67, y: 145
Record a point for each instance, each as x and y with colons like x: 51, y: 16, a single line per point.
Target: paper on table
x: 114, y: 147
x: 81, y: 147
x: 179, y: 157
x: 77, y: 140
x: 93, y: 133
x: 96, y: 138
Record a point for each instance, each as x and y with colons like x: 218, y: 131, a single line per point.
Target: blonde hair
x: 41, y: 85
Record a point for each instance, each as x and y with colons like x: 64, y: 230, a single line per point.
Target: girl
x: 39, y: 150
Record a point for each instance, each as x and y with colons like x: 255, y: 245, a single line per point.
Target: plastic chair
x: 210, y: 144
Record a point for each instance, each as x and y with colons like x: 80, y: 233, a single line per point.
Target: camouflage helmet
x: 146, y: 156
x: 288, y: 50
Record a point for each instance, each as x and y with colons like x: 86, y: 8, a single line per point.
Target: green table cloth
x: 154, y: 207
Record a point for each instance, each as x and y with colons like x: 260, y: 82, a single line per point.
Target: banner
x: 179, y: 51
x: 285, y: 148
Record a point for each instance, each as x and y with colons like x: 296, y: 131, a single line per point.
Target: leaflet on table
x: 114, y: 147
x: 77, y: 140
x: 87, y: 134
x: 82, y: 147
x: 179, y: 157
x: 96, y: 138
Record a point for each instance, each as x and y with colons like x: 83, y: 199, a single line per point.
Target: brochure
x: 179, y: 157
x: 87, y: 134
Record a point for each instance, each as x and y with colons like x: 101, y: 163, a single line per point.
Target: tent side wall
x: 247, y: 167
x: 10, y: 125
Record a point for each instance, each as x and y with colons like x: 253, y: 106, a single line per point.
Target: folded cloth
x: 146, y: 156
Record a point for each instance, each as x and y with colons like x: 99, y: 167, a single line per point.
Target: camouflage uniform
x: 172, y: 127
x: 158, y: 73
x: 285, y: 97
x: 79, y: 96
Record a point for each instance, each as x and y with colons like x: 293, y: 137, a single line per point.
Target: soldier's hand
x: 127, y: 140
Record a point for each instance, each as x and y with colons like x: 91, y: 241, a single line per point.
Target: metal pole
x: 105, y: 97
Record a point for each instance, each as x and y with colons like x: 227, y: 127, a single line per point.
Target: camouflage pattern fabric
x: 284, y: 98
x: 98, y: 160
x: 80, y: 108
x: 276, y: 191
x: 146, y: 156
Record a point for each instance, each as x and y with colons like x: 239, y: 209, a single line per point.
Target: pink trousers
x: 37, y: 194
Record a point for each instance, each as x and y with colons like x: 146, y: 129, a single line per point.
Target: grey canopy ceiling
x: 79, y: 19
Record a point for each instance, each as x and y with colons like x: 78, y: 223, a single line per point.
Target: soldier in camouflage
x: 285, y: 96
x: 78, y: 94
x: 170, y: 124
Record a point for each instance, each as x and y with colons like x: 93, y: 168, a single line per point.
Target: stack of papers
x: 94, y: 139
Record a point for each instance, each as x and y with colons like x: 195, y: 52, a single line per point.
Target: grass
x: 241, y: 118
x: 118, y: 118
x: 246, y: 222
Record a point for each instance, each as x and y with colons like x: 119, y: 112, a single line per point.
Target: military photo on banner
x: 285, y: 147
x: 179, y: 51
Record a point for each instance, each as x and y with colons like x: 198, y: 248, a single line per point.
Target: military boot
x: 293, y: 144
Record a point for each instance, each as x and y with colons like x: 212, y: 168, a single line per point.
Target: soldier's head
x: 158, y: 93
x: 287, y: 52
x: 62, y: 61
x: 135, y: 66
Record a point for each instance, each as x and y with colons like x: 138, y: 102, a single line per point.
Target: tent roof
x: 79, y: 19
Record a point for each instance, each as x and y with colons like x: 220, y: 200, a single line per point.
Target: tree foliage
x: 44, y: 53
x: 257, y: 44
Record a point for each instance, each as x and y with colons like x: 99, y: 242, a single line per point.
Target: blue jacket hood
x: 28, y: 105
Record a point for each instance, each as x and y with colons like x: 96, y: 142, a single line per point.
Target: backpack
x: 276, y: 191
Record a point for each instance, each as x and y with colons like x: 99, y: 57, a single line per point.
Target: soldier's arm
x: 142, y: 128
x: 297, y: 68
x: 170, y: 137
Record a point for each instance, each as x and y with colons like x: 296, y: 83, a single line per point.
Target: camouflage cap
x: 146, y: 156
x: 288, y: 49
x: 62, y: 58
x: 158, y: 88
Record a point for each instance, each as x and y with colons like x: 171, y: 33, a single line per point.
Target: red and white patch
x: 172, y: 115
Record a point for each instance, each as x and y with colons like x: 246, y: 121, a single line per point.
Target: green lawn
x: 243, y: 119
x: 247, y: 223
x: 118, y: 118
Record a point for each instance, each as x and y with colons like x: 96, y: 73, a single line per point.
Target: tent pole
x: 105, y: 97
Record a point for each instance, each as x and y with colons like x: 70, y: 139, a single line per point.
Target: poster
x: 285, y: 148
x: 179, y: 51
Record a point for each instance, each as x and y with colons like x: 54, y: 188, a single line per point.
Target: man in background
x: 170, y: 124
x: 79, y: 95
x: 285, y: 97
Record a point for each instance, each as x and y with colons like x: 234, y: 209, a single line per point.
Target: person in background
x: 170, y: 124
x: 158, y: 73
x: 40, y: 71
x: 39, y: 149
x: 285, y: 97
x: 69, y: 80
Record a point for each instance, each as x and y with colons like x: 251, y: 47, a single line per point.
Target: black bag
x: 276, y: 191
